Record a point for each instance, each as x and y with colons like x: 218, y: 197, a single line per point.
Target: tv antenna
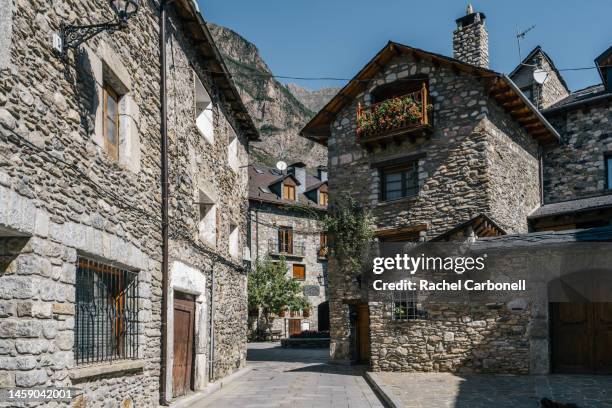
x: 520, y: 35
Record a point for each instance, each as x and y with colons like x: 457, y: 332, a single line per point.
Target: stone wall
x: 62, y: 196
x: 264, y: 222
x: 576, y: 168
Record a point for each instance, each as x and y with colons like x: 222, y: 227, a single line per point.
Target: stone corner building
x: 284, y: 221
x: 80, y: 229
x: 481, y: 156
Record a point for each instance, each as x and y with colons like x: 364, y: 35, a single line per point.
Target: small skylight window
x: 276, y: 172
x: 260, y: 171
x: 265, y: 190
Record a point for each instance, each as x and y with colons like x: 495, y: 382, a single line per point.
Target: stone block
x: 30, y: 378
x: 28, y: 328
x: 63, y: 309
x: 31, y: 346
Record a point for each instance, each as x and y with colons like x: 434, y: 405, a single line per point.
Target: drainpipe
x: 164, y: 206
x: 212, y: 326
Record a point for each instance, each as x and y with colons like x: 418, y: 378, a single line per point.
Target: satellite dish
x: 281, y: 165
x: 539, y: 75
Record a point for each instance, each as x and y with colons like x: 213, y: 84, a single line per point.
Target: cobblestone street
x: 294, y: 378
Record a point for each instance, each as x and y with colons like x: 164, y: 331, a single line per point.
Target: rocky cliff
x: 276, y: 110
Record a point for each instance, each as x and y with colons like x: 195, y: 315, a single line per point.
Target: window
x: 608, y: 160
x: 204, y: 111
x: 111, y: 121
x: 232, y: 151
x: 400, y: 181
x: 285, y: 240
x: 405, y: 307
x: 323, y: 198
x: 106, y: 316
x: 323, y: 245
x: 299, y: 272
x: 288, y: 192
x: 234, y: 241
x: 207, y: 224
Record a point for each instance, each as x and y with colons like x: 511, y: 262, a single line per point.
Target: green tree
x: 271, y: 290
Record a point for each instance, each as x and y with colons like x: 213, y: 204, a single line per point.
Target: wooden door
x: 363, y: 333
x: 602, y: 332
x: 184, y: 318
x: 295, y: 326
x: 581, y: 337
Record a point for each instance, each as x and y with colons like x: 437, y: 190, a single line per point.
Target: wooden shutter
x: 299, y: 272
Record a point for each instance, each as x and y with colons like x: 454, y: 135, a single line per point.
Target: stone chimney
x: 299, y: 172
x: 322, y: 173
x: 471, y: 40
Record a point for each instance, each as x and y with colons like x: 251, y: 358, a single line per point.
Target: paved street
x: 444, y: 390
x: 294, y: 378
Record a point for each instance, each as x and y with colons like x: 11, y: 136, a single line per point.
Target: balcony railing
x: 394, y: 116
x: 284, y: 249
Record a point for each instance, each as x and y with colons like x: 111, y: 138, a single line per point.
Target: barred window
x: 106, y: 317
x: 404, y: 306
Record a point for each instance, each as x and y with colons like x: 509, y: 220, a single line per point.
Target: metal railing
x: 106, y: 313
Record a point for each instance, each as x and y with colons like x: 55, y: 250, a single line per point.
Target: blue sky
x: 321, y: 38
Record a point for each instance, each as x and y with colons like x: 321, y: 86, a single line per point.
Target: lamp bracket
x: 72, y: 36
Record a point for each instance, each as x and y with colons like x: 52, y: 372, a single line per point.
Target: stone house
x: 284, y: 221
x: 479, y: 157
x: 80, y: 228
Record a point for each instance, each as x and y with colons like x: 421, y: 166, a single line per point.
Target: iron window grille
x: 404, y: 306
x: 400, y: 181
x: 106, y: 316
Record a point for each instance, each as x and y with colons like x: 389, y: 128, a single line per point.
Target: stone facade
x: 477, y: 160
x: 65, y: 198
x: 268, y: 211
x: 265, y: 220
x: 576, y: 168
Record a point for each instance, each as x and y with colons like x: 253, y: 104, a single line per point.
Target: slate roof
x: 262, y: 177
x: 538, y: 239
x: 571, y: 206
x: 580, y: 97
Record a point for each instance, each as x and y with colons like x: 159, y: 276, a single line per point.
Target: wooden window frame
x: 111, y: 148
x: 403, y: 170
x: 322, y: 201
x: 288, y: 192
x: 303, y: 276
x: 285, y: 240
x: 323, y: 245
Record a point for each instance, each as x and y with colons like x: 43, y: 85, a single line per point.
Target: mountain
x: 313, y: 100
x: 279, y: 111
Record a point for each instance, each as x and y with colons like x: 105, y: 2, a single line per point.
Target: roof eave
x: 243, y: 117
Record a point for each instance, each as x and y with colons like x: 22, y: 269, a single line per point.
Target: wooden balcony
x: 395, y: 119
